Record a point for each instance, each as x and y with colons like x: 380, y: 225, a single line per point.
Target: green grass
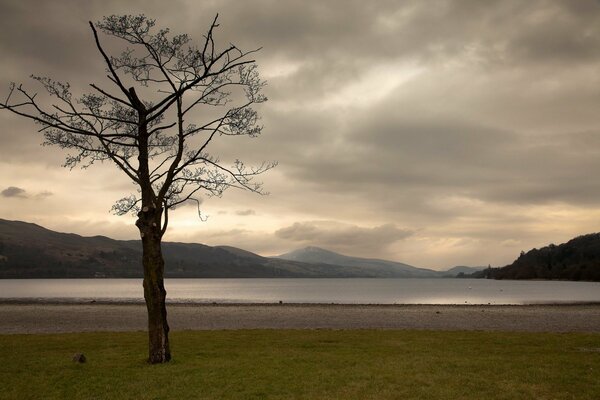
x: 304, y: 364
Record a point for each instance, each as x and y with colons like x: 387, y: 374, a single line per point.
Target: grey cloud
x: 244, y: 213
x: 44, y: 194
x: 387, y: 29
x: 392, y: 154
x: 13, y: 191
x: 350, y: 239
x: 61, y: 43
x: 564, y: 32
x: 341, y: 36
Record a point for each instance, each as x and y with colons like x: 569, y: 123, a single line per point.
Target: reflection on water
x: 346, y: 291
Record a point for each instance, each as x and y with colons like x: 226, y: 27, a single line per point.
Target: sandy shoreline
x: 42, y: 317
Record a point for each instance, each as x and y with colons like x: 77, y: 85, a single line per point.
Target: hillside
x: 31, y: 251
x: 578, y: 259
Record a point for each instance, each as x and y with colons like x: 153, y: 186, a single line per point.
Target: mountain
x: 578, y: 259
x: 376, y: 267
x: 31, y: 251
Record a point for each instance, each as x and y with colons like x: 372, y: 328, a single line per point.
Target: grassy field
x: 306, y: 364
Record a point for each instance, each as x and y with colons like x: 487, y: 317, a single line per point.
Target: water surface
x: 343, y: 291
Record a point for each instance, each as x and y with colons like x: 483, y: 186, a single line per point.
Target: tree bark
x: 149, y: 224
x: 154, y: 289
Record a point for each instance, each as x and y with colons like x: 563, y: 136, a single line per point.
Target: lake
x: 343, y: 291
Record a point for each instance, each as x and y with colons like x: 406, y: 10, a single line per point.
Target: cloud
x: 44, y: 194
x: 13, y: 191
x: 244, y: 213
x: 351, y: 239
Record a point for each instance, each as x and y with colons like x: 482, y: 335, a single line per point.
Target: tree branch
x: 116, y: 78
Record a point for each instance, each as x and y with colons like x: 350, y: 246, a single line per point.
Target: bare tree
x: 141, y: 125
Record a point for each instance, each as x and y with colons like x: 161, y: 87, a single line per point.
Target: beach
x: 36, y: 318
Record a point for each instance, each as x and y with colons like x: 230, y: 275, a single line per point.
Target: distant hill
x: 381, y: 268
x: 31, y: 251
x: 578, y: 259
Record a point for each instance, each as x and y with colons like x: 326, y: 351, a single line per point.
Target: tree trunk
x: 154, y: 289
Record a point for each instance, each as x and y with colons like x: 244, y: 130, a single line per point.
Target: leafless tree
x: 142, y: 123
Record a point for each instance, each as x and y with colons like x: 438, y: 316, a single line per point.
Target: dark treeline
x: 576, y: 260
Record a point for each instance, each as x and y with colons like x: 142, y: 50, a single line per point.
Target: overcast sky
x: 435, y: 133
